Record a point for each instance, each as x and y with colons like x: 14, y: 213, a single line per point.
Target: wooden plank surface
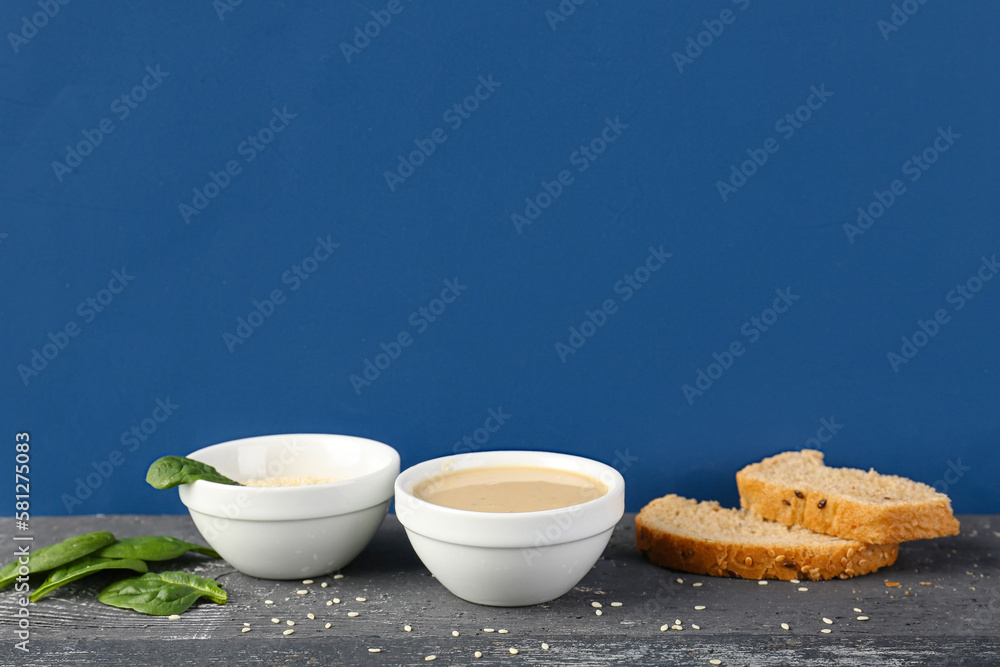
x: 945, y: 611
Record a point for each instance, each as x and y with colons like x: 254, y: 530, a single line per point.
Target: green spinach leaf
x: 153, y: 547
x: 162, y: 593
x: 58, y: 554
x: 82, y: 567
x: 169, y: 471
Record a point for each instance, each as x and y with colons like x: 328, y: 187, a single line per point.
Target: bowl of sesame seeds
x: 307, y: 505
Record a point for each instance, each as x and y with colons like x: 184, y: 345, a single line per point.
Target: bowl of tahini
x: 509, y: 528
x: 308, y: 503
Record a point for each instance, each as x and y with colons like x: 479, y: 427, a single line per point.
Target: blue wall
x: 179, y: 164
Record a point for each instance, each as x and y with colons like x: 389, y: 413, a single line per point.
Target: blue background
x: 620, y: 397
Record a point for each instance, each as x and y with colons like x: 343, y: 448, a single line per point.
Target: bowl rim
x: 460, y: 526
x: 299, y: 487
x: 305, y: 501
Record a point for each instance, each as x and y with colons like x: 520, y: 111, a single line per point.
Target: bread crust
x: 825, y: 512
x: 753, y: 561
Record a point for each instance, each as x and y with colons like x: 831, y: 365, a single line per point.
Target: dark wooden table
x: 946, y: 610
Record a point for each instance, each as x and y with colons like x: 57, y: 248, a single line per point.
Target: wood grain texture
x: 951, y: 621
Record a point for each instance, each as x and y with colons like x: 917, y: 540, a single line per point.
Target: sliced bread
x: 797, y: 489
x: 704, y: 538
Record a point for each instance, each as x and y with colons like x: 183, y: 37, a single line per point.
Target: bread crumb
x: 892, y: 584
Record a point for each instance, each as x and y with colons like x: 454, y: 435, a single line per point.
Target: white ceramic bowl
x: 293, y: 532
x: 509, y: 559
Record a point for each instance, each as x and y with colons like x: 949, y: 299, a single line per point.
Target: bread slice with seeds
x: 705, y: 538
x: 796, y: 488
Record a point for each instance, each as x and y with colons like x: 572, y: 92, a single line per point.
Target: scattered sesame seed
x: 862, y: 618
x: 244, y: 629
x: 598, y: 612
x: 307, y: 581
x: 676, y: 627
x: 454, y: 633
x: 428, y: 658
x: 173, y: 617
x: 680, y: 581
x: 677, y: 621
x: 288, y: 632
x: 407, y: 628
x: 664, y: 627
x: 329, y: 603
x: 353, y: 614
x: 793, y: 581
x: 762, y: 582
x: 488, y: 630
x: 784, y: 626
x: 246, y: 625
x: 857, y: 610
x: 276, y: 620
x: 328, y: 626
x: 715, y: 661
x: 477, y: 654
x: 336, y: 600
x: 338, y: 576
x: 502, y: 631
x: 324, y: 585
x: 374, y: 650
x: 827, y: 621
x: 311, y: 616
x: 699, y: 607
x: 697, y: 584
x: 802, y: 589
x: 289, y: 622
x: 695, y: 627
x: 301, y: 591
x: 826, y: 631
x: 616, y: 604
x: 513, y: 651
x: 361, y: 599
x: 545, y: 647
x: 268, y: 601
x: 596, y: 605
